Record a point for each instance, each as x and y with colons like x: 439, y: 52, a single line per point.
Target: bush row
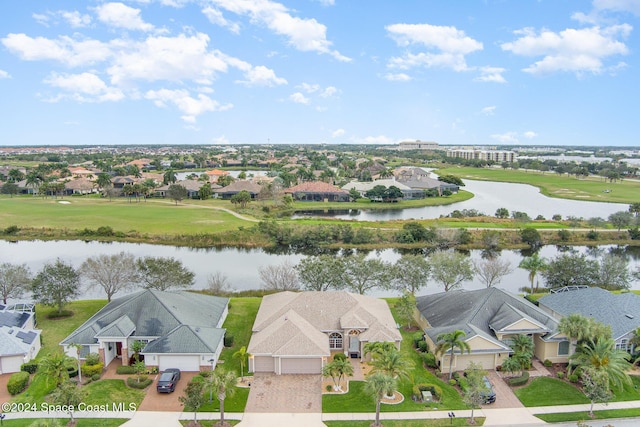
x: 143, y: 383
x: 518, y: 381
x: 18, y: 382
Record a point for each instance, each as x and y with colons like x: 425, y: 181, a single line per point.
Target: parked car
x: 167, y: 381
x: 490, y: 394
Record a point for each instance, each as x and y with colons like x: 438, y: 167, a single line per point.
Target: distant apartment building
x: 476, y: 154
x: 418, y: 145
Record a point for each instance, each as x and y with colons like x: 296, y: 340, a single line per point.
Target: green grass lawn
x: 545, y: 391
x: 82, y: 422
x: 584, y: 416
x: 409, y: 423
x: 107, y: 392
x: 554, y: 185
x: 356, y: 400
x: 210, y: 423
x: 55, y: 330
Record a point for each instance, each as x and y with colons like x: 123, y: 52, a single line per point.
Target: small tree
x: 218, y: 283
x: 450, y: 342
x: 379, y: 385
x: 406, y: 307
x: 595, y: 385
x: 112, y: 273
x: 531, y: 236
x: 54, y: 366
x: 450, y: 269
x: 492, y: 270
x: 56, y: 284
x: 241, y: 355
x: 337, y: 370
x: 177, y: 193
x: 282, y: 277
x: 476, y: 391
x: 321, y: 273
x: 14, y: 280
x: 193, y: 397
x: 136, y: 347
x: 224, y: 385
x: 242, y: 198
x: 411, y: 273
x: 139, y: 366
x: 69, y: 396
x: 163, y: 273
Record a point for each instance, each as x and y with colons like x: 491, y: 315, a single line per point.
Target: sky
x: 457, y: 72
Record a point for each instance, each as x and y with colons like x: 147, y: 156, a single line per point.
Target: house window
x: 563, y: 348
x: 335, y: 341
x: 623, y: 345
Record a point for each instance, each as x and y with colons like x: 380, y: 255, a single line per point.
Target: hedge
x: 144, y: 382
x: 18, y: 382
x: 30, y: 367
x: 435, y: 390
x: 91, y: 370
x: 518, y: 381
x: 125, y: 370
x: 429, y: 360
x: 72, y: 371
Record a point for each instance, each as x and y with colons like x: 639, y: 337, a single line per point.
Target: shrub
x: 228, y: 340
x: 95, y: 377
x: 30, y: 367
x: 339, y: 356
x: 429, y: 359
x: 548, y: 363
x: 593, y: 235
x: 104, y: 231
x: 423, y: 346
x: 417, y: 337
x: 92, y: 359
x: 329, y: 387
x: 197, y: 379
x: 12, y: 229
x: 143, y: 383
x: 72, y: 371
x: 564, y: 235
x: 634, y: 233
x: 518, y: 381
x: 560, y: 374
x: 125, y: 370
x: 205, y: 374
x: 453, y: 382
x: 464, y: 384
x: 18, y: 382
x: 435, y: 390
x: 456, y: 375
x: 55, y: 315
x: 91, y: 370
x: 573, y: 378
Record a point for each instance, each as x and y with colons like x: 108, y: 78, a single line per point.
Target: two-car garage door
x: 301, y: 365
x: 186, y: 363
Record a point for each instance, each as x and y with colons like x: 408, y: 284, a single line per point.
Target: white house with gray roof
x: 297, y: 332
x: 180, y: 329
x: 19, y: 340
x: 620, y: 311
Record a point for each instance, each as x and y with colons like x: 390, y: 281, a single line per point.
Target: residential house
x: 180, y: 329
x: 317, y: 191
x: 363, y: 187
x: 191, y: 185
x: 420, y: 179
x: 19, y: 340
x: 238, y: 186
x: 296, y: 332
x: 80, y: 186
x: 490, y: 318
x: 620, y: 311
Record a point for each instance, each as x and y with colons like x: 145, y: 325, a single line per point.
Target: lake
x: 488, y: 197
x: 241, y: 265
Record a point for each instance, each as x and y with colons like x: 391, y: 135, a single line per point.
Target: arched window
x: 335, y: 341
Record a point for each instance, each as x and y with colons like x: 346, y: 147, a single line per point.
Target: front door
x: 118, y: 348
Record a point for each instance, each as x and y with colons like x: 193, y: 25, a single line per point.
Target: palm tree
x: 379, y: 385
x: 33, y: 180
x: 224, y: 384
x: 103, y: 180
x: 169, y: 177
x: 575, y: 327
x: 634, y: 342
x: 450, y: 342
x: 337, y: 370
x: 533, y: 265
x: 55, y: 366
x: 392, y: 363
x: 241, y: 355
x: 601, y: 355
x: 78, y: 347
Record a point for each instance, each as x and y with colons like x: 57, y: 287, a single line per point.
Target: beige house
x: 490, y: 318
x: 297, y: 332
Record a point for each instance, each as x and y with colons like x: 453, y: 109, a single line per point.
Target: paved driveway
x: 154, y: 401
x: 505, y: 398
x: 285, y: 393
x: 4, y: 394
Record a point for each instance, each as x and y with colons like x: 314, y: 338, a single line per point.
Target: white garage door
x: 184, y: 363
x: 10, y: 364
x: 301, y: 366
x: 487, y: 361
x: 263, y: 364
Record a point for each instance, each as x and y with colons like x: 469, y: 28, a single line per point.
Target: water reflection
x: 241, y: 265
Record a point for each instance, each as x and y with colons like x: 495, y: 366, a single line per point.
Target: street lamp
x: 212, y: 361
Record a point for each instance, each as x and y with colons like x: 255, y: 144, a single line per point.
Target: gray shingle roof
x: 121, y: 327
x: 187, y: 339
x: 475, y: 312
x: 620, y: 311
x: 154, y: 314
x: 15, y: 341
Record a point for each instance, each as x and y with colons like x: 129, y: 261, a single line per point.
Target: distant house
x: 19, y: 340
x: 238, y: 186
x: 180, y: 329
x: 80, y: 186
x: 317, y: 191
x: 191, y: 185
x: 363, y: 187
x: 297, y: 332
x: 120, y: 181
x: 490, y: 318
x: 620, y: 311
x: 419, y: 179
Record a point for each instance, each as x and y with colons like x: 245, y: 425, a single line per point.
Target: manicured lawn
x: 107, y: 392
x: 356, y: 400
x: 409, y: 423
x: 242, y: 313
x: 209, y: 423
x: 82, y: 422
x: 545, y: 391
x: 582, y: 416
x: 554, y: 185
x: 55, y: 330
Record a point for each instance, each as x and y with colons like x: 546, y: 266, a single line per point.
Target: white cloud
x: 309, y: 88
x: 489, y: 111
x: 327, y: 2
x: 571, y: 50
x: 632, y: 6
x: 68, y: 51
x: 41, y: 19
x: 530, y: 134
x: 491, y: 74
x: 506, y: 138
x: 307, y: 35
x: 338, y: 133
x: 380, y: 139
x: 299, y: 98
x: 397, y: 77
x: 190, y: 107
x: 75, y: 18
x: 83, y: 87
x: 446, y: 46
x: 120, y: 15
x: 329, y: 91
x: 215, y: 17
x: 261, y: 76
x: 4, y: 75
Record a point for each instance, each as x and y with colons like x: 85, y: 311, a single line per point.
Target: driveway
x: 505, y: 398
x: 4, y: 394
x: 166, y: 402
x: 285, y: 394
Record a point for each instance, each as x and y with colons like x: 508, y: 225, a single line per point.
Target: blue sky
x: 526, y: 72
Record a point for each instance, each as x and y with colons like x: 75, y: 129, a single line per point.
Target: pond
x: 241, y: 266
x: 488, y: 197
